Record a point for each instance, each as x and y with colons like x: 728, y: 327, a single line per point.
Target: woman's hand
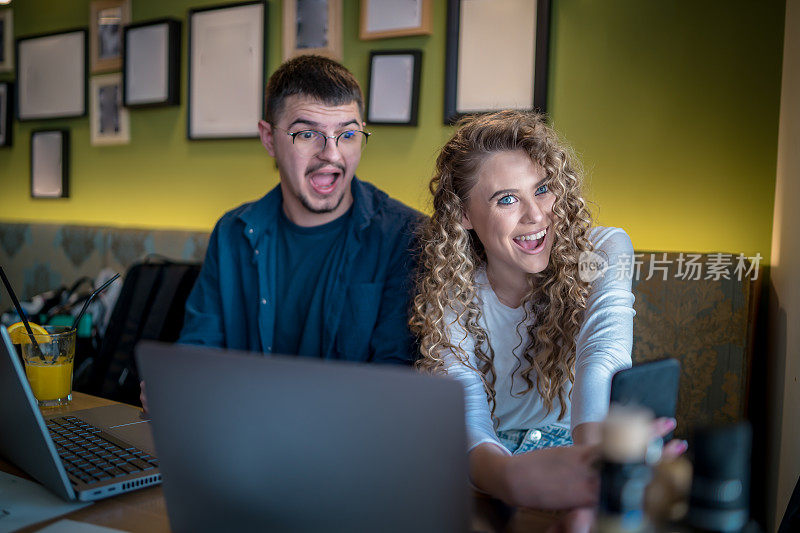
x: 592, y: 433
x: 576, y: 521
x: 581, y: 520
x: 675, y: 447
x: 553, y: 478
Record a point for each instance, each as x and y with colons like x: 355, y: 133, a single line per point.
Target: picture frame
x: 6, y: 40
x: 312, y: 27
x: 229, y: 39
x: 107, y: 18
x: 393, y: 90
x: 6, y: 114
x: 493, y: 61
x: 50, y: 163
x: 382, y: 19
x: 151, y: 63
x: 51, y: 75
x: 108, y: 119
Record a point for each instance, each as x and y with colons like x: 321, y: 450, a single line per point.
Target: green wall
x: 671, y: 105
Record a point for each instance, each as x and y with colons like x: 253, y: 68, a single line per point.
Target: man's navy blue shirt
x: 306, y: 261
x: 366, y: 296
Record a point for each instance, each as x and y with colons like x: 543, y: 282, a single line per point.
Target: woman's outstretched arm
x: 552, y: 478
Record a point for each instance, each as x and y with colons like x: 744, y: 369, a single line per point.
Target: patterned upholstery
x: 705, y: 323
x: 40, y: 257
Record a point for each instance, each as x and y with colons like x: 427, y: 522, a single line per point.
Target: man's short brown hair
x: 313, y: 76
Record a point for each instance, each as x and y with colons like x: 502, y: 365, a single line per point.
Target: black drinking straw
x: 90, y: 298
x: 20, y: 312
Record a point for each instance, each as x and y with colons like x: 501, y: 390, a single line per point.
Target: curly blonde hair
x: 451, y: 256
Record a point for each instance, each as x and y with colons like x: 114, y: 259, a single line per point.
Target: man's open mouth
x: 324, y: 182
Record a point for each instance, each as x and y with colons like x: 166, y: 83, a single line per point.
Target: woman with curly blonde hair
x: 503, y: 306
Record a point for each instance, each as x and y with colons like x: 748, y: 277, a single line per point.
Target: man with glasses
x: 322, y: 265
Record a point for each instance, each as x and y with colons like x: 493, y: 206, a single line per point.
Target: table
x: 146, y: 511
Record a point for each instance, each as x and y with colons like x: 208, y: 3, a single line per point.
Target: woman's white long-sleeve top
x: 603, y: 347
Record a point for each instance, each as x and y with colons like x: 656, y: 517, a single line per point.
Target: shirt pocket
x: 359, y: 315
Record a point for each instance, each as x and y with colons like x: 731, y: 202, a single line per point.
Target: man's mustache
x: 318, y: 166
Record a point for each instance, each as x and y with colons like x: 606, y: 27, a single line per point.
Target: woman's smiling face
x: 511, y: 211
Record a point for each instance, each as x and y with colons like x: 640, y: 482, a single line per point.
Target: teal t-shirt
x: 306, y: 262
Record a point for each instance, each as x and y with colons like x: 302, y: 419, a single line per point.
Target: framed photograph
x: 109, y: 120
x: 381, y: 19
x: 496, y: 56
x: 312, y: 27
x: 226, y: 71
x: 105, y: 36
x: 50, y: 164
x: 6, y: 40
x: 393, y: 94
x: 51, y: 75
x: 151, y: 63
x: 6, y: 123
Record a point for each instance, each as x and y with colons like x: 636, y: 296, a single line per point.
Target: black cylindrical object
x: 721, y: 482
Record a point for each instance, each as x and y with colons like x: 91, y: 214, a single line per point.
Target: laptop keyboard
x: 91, y: 455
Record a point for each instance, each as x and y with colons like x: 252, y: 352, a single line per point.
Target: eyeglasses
x: 312, y: 142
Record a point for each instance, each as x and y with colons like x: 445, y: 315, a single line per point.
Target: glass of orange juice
x: 49, y: 369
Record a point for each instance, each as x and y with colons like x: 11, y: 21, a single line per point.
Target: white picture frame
x: 109, y: 123
x: 226, y: 71
x: 51, y: 76
x: 6, y: 40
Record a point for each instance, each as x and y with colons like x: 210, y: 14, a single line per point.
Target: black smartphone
x: 653, y: 385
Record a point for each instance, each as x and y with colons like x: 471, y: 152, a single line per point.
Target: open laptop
x: 296, y: 444
x: 86, y: 455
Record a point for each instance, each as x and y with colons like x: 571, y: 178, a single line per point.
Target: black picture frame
x: 172, y: 58
x: 7, y: 39
x: 6, y: 114
x: 541, y: 59
x: 263, y: 78
x: 56, y: 85
x: 377, y: 112
x: 38, y: 159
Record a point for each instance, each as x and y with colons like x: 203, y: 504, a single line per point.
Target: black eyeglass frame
x: 325, y: 137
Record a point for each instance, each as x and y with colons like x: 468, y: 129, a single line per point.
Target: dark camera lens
x: 721, y: 480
